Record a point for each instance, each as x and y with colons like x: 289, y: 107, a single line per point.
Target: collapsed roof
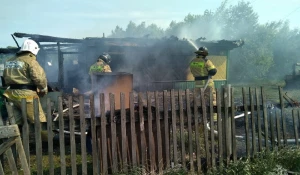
x: 127, y: 42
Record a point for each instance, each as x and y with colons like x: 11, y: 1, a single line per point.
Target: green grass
x: 276, y: 162
x: 56, y: 162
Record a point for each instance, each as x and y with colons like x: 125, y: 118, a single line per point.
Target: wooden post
x: 61, y: 137
x: 258, y: 119
x: 103, y: 133
x: 114, y: 162
x: 220, y: 138
x: 265, y: 118
x: 38, y: 138
x: 197, y: 134
x: 227, y: 133
x: 50, y: 137
x: 133, y: 131
x: 60, y: 67
x: 25, y: 130
x: 150, y: 135
x: 142, y: 130
x: 123, y: 132
x: 253, y: 122
x: 182, y: 137
x: 295, y: 123
x: 174, y: 132
x: 212, y: 130
x: 83, y: 135
x: 72, y: 136
x: 233, y: 134
x: 190, y: 131
x: 159, y: 140
x: 283, y: 116
x: 166, y: 131
x: 94, y: 138
x: 204, y: 115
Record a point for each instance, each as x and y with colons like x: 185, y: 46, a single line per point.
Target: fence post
x: 38, y: 138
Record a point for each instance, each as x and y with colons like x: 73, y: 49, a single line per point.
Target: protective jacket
x: 25, y: 77
x: 99, y: 66
x: 200, y: 69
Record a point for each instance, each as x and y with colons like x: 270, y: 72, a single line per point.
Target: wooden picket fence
x: 160, y: 131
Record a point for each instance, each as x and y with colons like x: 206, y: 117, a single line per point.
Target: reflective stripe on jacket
x: 99, y: 66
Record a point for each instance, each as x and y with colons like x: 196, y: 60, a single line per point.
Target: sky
x: 92, y: 18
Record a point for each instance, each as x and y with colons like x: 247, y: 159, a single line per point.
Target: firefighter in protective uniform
x: 25, y: 78
x: 203, y: 69
x: 102, y: 64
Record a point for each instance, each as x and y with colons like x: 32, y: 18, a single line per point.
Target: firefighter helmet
x: 105, y: 57
x: 30, y: 46
x: 202, y: 51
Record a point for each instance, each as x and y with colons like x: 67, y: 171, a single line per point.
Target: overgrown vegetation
x: 276, y: 162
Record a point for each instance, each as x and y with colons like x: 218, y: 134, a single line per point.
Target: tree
x: 269, y: 52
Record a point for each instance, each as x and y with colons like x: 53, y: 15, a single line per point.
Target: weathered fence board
x: 278, y: 129
x: 38, y: 138
x: 284, y: 132
x: 182, y: 137
x: 159, y: 131
x: 83, y: 136
x: 212, y: 131
x: 258, y: 120
x: 246, y: 122
x: 174, y: 133
x: 150, y: 135
x: 197, y: 135
x: 265, y: 114
x: 158, y: 135
x: 190, y: 136
x: 61, y: 138
x: 272, y: 129
x: 253, y: 122
x: 219, y: 125
x: 295, y: 122
x: 50, y: 137
x: 142, y: 137
x: 25, y: 131
x: 103, y: 142
x: 233, y: 132
x: 166, y: 131
x: 72, y: 136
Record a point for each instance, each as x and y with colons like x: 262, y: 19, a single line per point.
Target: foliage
x: 277, y: 162
x: 141, y: 30
x: 270, y: 49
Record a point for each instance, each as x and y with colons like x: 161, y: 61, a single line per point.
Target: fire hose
x: 209, y: 77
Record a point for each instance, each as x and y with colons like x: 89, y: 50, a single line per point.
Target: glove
x: 42, y: 92
x: 212, y: 72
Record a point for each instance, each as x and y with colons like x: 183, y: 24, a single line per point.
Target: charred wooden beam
x: 45, y: 38
x: 9, y: 50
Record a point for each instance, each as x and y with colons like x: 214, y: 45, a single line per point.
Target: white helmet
x: 31, y: 46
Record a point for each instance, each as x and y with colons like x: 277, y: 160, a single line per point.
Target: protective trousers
x: 17, y: 113
x: 209, y: 89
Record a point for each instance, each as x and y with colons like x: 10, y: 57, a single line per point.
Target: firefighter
x: 203, y: 70
x: 102, y: 64
x: 25, y: 78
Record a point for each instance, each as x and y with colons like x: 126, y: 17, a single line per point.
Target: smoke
x: 152, y: 54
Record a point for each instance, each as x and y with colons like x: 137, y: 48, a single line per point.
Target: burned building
x: 155, y: 64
